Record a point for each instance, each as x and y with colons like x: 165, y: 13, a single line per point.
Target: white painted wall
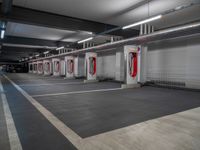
x: 175, y: 60
x: 106, y: 66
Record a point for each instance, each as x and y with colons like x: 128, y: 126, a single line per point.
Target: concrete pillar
x: 78, y: 66
x: 143, y: 70
x: 62, y: 68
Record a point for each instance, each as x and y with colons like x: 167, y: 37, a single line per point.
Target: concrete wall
x: 176, y: 60
x: 106, y: 66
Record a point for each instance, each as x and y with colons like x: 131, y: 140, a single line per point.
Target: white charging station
x: 132, y: 66
x: 35, y: 67
x: 56, y: 66
x: 69, y: 60
x: 47, y: 67
x: 91, y: 67
x: 40, y: 67
x: 62, y: 68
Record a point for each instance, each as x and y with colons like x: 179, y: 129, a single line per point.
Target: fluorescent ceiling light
x: 30, y: 57
x: 2, y: 34
x: 59, y: 48
x: 142, y: 22
x: 46, y: 52
x: 37, y: 55
x: 82, y: 41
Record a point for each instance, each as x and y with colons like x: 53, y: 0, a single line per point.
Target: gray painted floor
x: 147, y: 118
x: 90, y: 114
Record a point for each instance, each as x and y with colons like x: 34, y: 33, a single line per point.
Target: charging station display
x: 131, y: 54
x: 47, y: 67
x: 91, y: 66
x: 69, y: 66
x: 56, y: 66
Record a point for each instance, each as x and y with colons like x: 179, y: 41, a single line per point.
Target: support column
x: 132, y: 66
x: 47, y: 67
x: 91, y: 67
x: 62, y: 68
x: 56, y: 66
x: 69, y: 61
x: 78, y: 67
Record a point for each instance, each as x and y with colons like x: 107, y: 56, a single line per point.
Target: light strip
x: 59, y: 48
x: 82, y: 41
x: 30, y: 57
x: 2, y: 34
x: 37, y: 55
x: 46, y: 52
x: 142, y: 22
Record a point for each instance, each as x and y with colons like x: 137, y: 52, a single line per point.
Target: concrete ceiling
x: 115, y: 12
x: 37, y: 32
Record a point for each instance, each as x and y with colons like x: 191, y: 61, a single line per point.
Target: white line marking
x: 50, y: 84
x: 11, y: 129
x: 74, y: 138
x: 78, y: 92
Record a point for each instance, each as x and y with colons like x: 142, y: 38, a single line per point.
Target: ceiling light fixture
x: 37, y: 55
x: 142, y: 22
x: 46, y: 52
x: 30, y: 57
x: 85, y: 40
x: 2, y: 34
x: 59, y: 48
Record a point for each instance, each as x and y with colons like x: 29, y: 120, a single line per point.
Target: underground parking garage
x: 100, y: 75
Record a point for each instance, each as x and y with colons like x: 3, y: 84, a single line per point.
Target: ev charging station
x: 40, y: 67
x: 69, y: 66
x: 34, y: 67
x: 91, y: 67
x: 62, y: 67
x: 56, y: 66
x: 132, y: 66
x: 30, y: 67
x: 47, y: 67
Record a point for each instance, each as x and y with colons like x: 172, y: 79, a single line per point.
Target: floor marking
x: 50, y: 84
x: 14, y: 141
x: 74, y: 138
x: 77, y: 92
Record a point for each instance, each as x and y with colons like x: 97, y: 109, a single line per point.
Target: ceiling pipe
x: 6, y: 6
x: 180, y: 31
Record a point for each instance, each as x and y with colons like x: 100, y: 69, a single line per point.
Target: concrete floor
x: 53, y: 113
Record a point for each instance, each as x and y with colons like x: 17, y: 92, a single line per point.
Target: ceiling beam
x: 33, y: 41
x: 40, y: 18
x: 46, y: 19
